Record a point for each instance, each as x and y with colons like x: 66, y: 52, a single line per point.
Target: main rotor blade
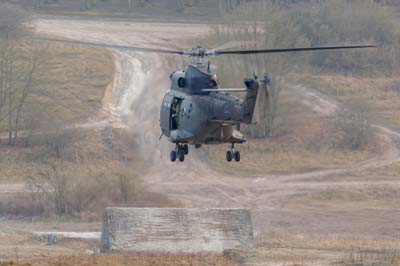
x: 100, y: 45
x: 288, y: 50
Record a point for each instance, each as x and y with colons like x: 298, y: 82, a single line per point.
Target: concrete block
x: 176, y: 230
x: 56, y: 237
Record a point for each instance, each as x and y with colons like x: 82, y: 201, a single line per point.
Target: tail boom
x: 249, y: 101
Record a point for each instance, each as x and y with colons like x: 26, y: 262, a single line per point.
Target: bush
x: 353, y: 129
x: 68, y: 190
x: 22, y: 205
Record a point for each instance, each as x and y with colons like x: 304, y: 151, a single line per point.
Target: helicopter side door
x: 174, y: 113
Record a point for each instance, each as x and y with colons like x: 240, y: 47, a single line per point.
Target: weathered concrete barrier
x: 53, y: 237
x: 176, y: 230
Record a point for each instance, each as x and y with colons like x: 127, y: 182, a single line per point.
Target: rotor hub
x: 199, y: 52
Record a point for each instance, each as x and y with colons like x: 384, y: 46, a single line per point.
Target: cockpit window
x: 213, y: 84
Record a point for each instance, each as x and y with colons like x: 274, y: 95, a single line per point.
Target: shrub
x: 353, y: 129
x: 65, y: 189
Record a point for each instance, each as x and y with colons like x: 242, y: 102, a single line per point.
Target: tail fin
x: 249, y: 102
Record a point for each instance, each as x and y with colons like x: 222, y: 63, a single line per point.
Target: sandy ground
x: 300, y: 205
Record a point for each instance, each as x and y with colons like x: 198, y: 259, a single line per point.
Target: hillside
x: 321, y: 180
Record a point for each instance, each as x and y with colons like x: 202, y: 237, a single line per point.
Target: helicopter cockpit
x: 197, y: 80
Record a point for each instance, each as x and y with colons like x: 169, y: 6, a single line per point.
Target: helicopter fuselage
x: 201, y: 119
x: 194, y: 111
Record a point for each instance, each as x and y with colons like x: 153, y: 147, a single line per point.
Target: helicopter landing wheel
x: 185, y: 148
x: 172, y: 156
x: 181, y: 155
x: 236, y: 155
x: 229, y: 156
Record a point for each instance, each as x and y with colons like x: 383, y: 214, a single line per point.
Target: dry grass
x: 93, y: 172
x: 122, y: 260
x: 24, y: 250
x: 385, y: 197
x: 379, y: 94
x: 304, y: 250
x: 304, y: 146
x: 274, y: 249
x: 72, y: 85
x: 305, y: 141
x: 103, y: 14
x: 70, y: 88
x: 274, y: 157
x: 390, y: 172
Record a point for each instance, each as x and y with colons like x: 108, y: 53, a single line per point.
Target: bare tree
x: 221, y: 7
x: 55, y: 186
x: 19, y: 62
x: 87, y: 4
x: 11, y: 19
x: 66, y: 191
x: 24, y: 92
x: 180, y: 5
x: 353, y: 128
x: 226, y: 6
x: 130, y: 4
x: 39, y: 4
x: 12, y: 70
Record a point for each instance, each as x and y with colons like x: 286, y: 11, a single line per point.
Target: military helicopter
x: 195, y: 110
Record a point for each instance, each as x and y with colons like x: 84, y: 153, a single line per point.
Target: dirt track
x: 278, y: 202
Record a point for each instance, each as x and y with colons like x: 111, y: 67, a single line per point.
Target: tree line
x: 224, y: 6
x: 18, y: 66
x: 329, y: 23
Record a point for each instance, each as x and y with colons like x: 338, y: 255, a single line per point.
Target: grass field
x: 305, y: 139
x: 282, y: 157
x: 273, y: 250
x: 379, y: 95
x: 305, y: 250
x: 70, y: 90
x: 122, y: 260
x: 73, y: 82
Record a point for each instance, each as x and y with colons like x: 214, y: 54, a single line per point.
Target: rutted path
x: 132, y: 102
